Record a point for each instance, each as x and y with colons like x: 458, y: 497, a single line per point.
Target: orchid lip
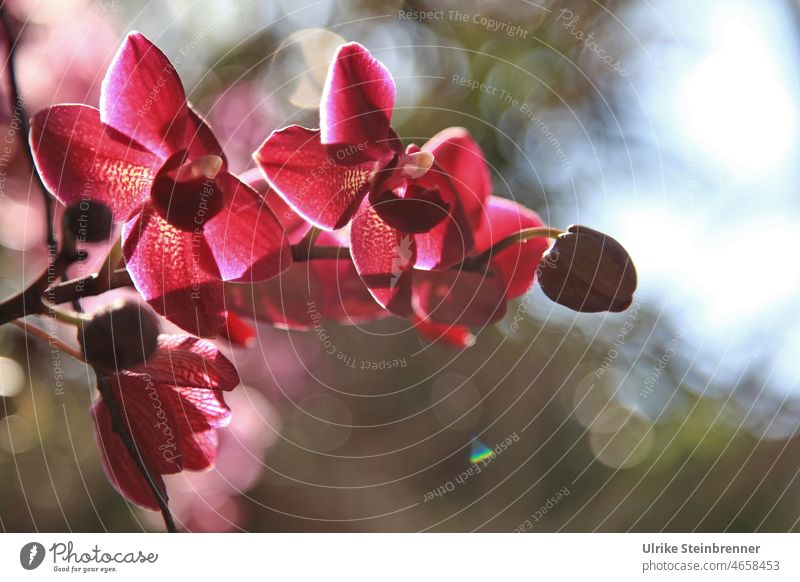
x: 186, y: 193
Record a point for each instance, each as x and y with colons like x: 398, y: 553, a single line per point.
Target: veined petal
x: 174, y: 270
x: 457, y: 153
x: 203, y: 408
x: 248, y: 242
x: 343, y: 297
x: 79, y: 157
x: 147, y: 410
x: 199, y: 412
x: 319, y: 188
x: 119, y: 467
x: 384, y: 258
x: 358, y: 98
x: 308, y: 291
x: 142, y: 96
x: 187, y: 361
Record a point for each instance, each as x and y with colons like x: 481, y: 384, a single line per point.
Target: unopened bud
x: 588, y: 271
x: 88, y: 221
x: 121, y: 336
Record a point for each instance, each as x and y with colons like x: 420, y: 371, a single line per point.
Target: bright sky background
x: 723, y: 235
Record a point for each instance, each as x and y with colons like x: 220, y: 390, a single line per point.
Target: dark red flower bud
x: 89, y: 221
x: 121, y: 336
x: 588, y: 271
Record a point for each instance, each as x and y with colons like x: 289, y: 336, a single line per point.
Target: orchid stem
x: 112, y: 260
x: 522, y: 236
x: 67, y: 316
x: 50, y: 339
x: 29, y: 302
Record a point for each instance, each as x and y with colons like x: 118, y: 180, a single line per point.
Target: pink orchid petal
x: 175, y: 271
x: 78, y: 157
x: 186, y: 361
x: 460, y: 297
x: 199, y: 449
x: 203, y: 409
x: 517, y: 264
x: 457, y: 154
x: 199, y: 413
x: 248, y: 242
x: 358, y: 98
x: 384, y: 258
x: 343, y: 297
x: 329, y: 289
x: 142, y: 96
x: 120, y: 469
x: 147, y: 410
x: 319, y: 188
x: 282, y: 301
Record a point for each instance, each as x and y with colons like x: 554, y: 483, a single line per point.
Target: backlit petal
x: 142, y: 96
x: 358, y: 98
x: 78, y: 157
x: 384, y: 258
x: 248, y: 242
x: 316, y: 185
x: 174, y: 270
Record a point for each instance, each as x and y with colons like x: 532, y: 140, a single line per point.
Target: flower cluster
x: 344, y: 216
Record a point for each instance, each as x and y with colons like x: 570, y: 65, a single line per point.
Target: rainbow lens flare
x: 479, y: 452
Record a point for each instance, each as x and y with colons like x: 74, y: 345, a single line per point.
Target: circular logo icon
x: 31, y: 555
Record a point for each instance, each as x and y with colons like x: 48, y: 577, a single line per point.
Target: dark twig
x: 18, y: 108
x: 30, y: 302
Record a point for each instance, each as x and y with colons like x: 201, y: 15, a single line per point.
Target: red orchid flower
x: 172, y: 405
x: 308, y: 290
x: 147, y: 155
x: 406, y: 211
x: 450, y: 295
x: 477, y: 298
x: 387, y: 256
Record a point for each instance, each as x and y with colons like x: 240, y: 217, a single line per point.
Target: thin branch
x: 37, y: 298
x: 121, y: 429
x: 18, y: 108
x: 50, y: 339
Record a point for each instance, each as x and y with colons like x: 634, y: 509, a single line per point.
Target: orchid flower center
x: 416, y: 164
x: 186, y: 193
